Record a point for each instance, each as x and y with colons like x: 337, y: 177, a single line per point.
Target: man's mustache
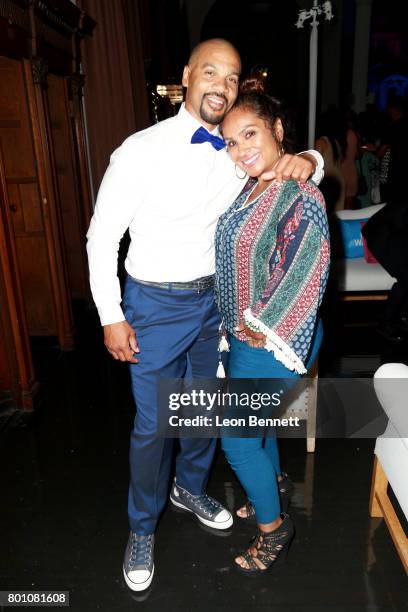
x: 219, y: 95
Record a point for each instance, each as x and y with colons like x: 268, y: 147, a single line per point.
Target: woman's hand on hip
x: 254, y: 339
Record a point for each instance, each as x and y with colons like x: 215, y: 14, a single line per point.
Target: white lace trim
x: 275, y: 344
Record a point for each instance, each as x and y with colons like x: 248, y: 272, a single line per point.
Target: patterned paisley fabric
x: 272, y: 263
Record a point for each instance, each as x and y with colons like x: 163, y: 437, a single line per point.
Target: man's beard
x: 211, y: 119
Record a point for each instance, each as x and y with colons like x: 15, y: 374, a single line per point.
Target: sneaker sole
x: 224, y: 525
x: 142, y: 586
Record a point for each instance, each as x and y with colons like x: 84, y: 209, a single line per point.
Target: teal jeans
x: 256, y: 460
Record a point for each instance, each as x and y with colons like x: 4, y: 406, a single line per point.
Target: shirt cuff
x: 110, y: 314
x: 274, y: 343
x: 318, y: 174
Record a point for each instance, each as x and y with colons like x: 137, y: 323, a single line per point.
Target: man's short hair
x: 195, y: 52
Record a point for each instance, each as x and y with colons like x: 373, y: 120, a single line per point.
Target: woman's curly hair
x: 254, y: 97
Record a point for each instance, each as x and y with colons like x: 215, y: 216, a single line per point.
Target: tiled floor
x: 63, y: 523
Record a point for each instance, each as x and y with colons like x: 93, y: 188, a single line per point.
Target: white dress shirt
x: 169, y: 193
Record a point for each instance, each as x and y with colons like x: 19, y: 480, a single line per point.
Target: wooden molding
x: 53, y: 28
x: 39, y: 71
x: 15, y: 13
x: 76, y: 83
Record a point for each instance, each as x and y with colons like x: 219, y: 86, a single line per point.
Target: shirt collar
x: 191, y: 124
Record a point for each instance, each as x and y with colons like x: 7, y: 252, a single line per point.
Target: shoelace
x: 207, y: 504
x: 141, y: 550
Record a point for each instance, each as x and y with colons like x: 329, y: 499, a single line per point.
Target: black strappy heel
x: 250, y: 513
x: 286, y: 488
x: 272, y: 548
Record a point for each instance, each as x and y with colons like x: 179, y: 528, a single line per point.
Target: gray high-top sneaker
x: 138, y: 565
x: 208, y: 510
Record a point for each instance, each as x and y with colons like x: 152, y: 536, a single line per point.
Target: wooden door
x: 32, y: 202
x: 18, y: 387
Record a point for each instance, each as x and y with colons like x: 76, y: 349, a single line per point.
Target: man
x: 169, y: 184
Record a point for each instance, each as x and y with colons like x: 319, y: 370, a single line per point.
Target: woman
x: 272, y: 256
x: 348, y: 166
x: 332, y: 144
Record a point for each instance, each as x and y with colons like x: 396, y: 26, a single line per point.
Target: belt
x: 199, y: 284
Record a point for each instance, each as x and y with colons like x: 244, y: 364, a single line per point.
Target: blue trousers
x: 256, y: 460
x: 177, y: 332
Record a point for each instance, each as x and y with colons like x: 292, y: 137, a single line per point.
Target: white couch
x: 391, y: 453
x: 355, y: 278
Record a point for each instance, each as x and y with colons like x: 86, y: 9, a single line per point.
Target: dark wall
x: 264, y: 33
x: 165, y: 39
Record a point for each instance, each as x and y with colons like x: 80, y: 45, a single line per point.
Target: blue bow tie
x: 202, y: 135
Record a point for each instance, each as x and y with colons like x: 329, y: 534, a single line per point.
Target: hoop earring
x: 281, y: 148
x: 237, y: 175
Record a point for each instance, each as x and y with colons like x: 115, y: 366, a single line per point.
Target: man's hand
x: 120, y: 340
x: 254, y: 339
x: 296, y: 167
